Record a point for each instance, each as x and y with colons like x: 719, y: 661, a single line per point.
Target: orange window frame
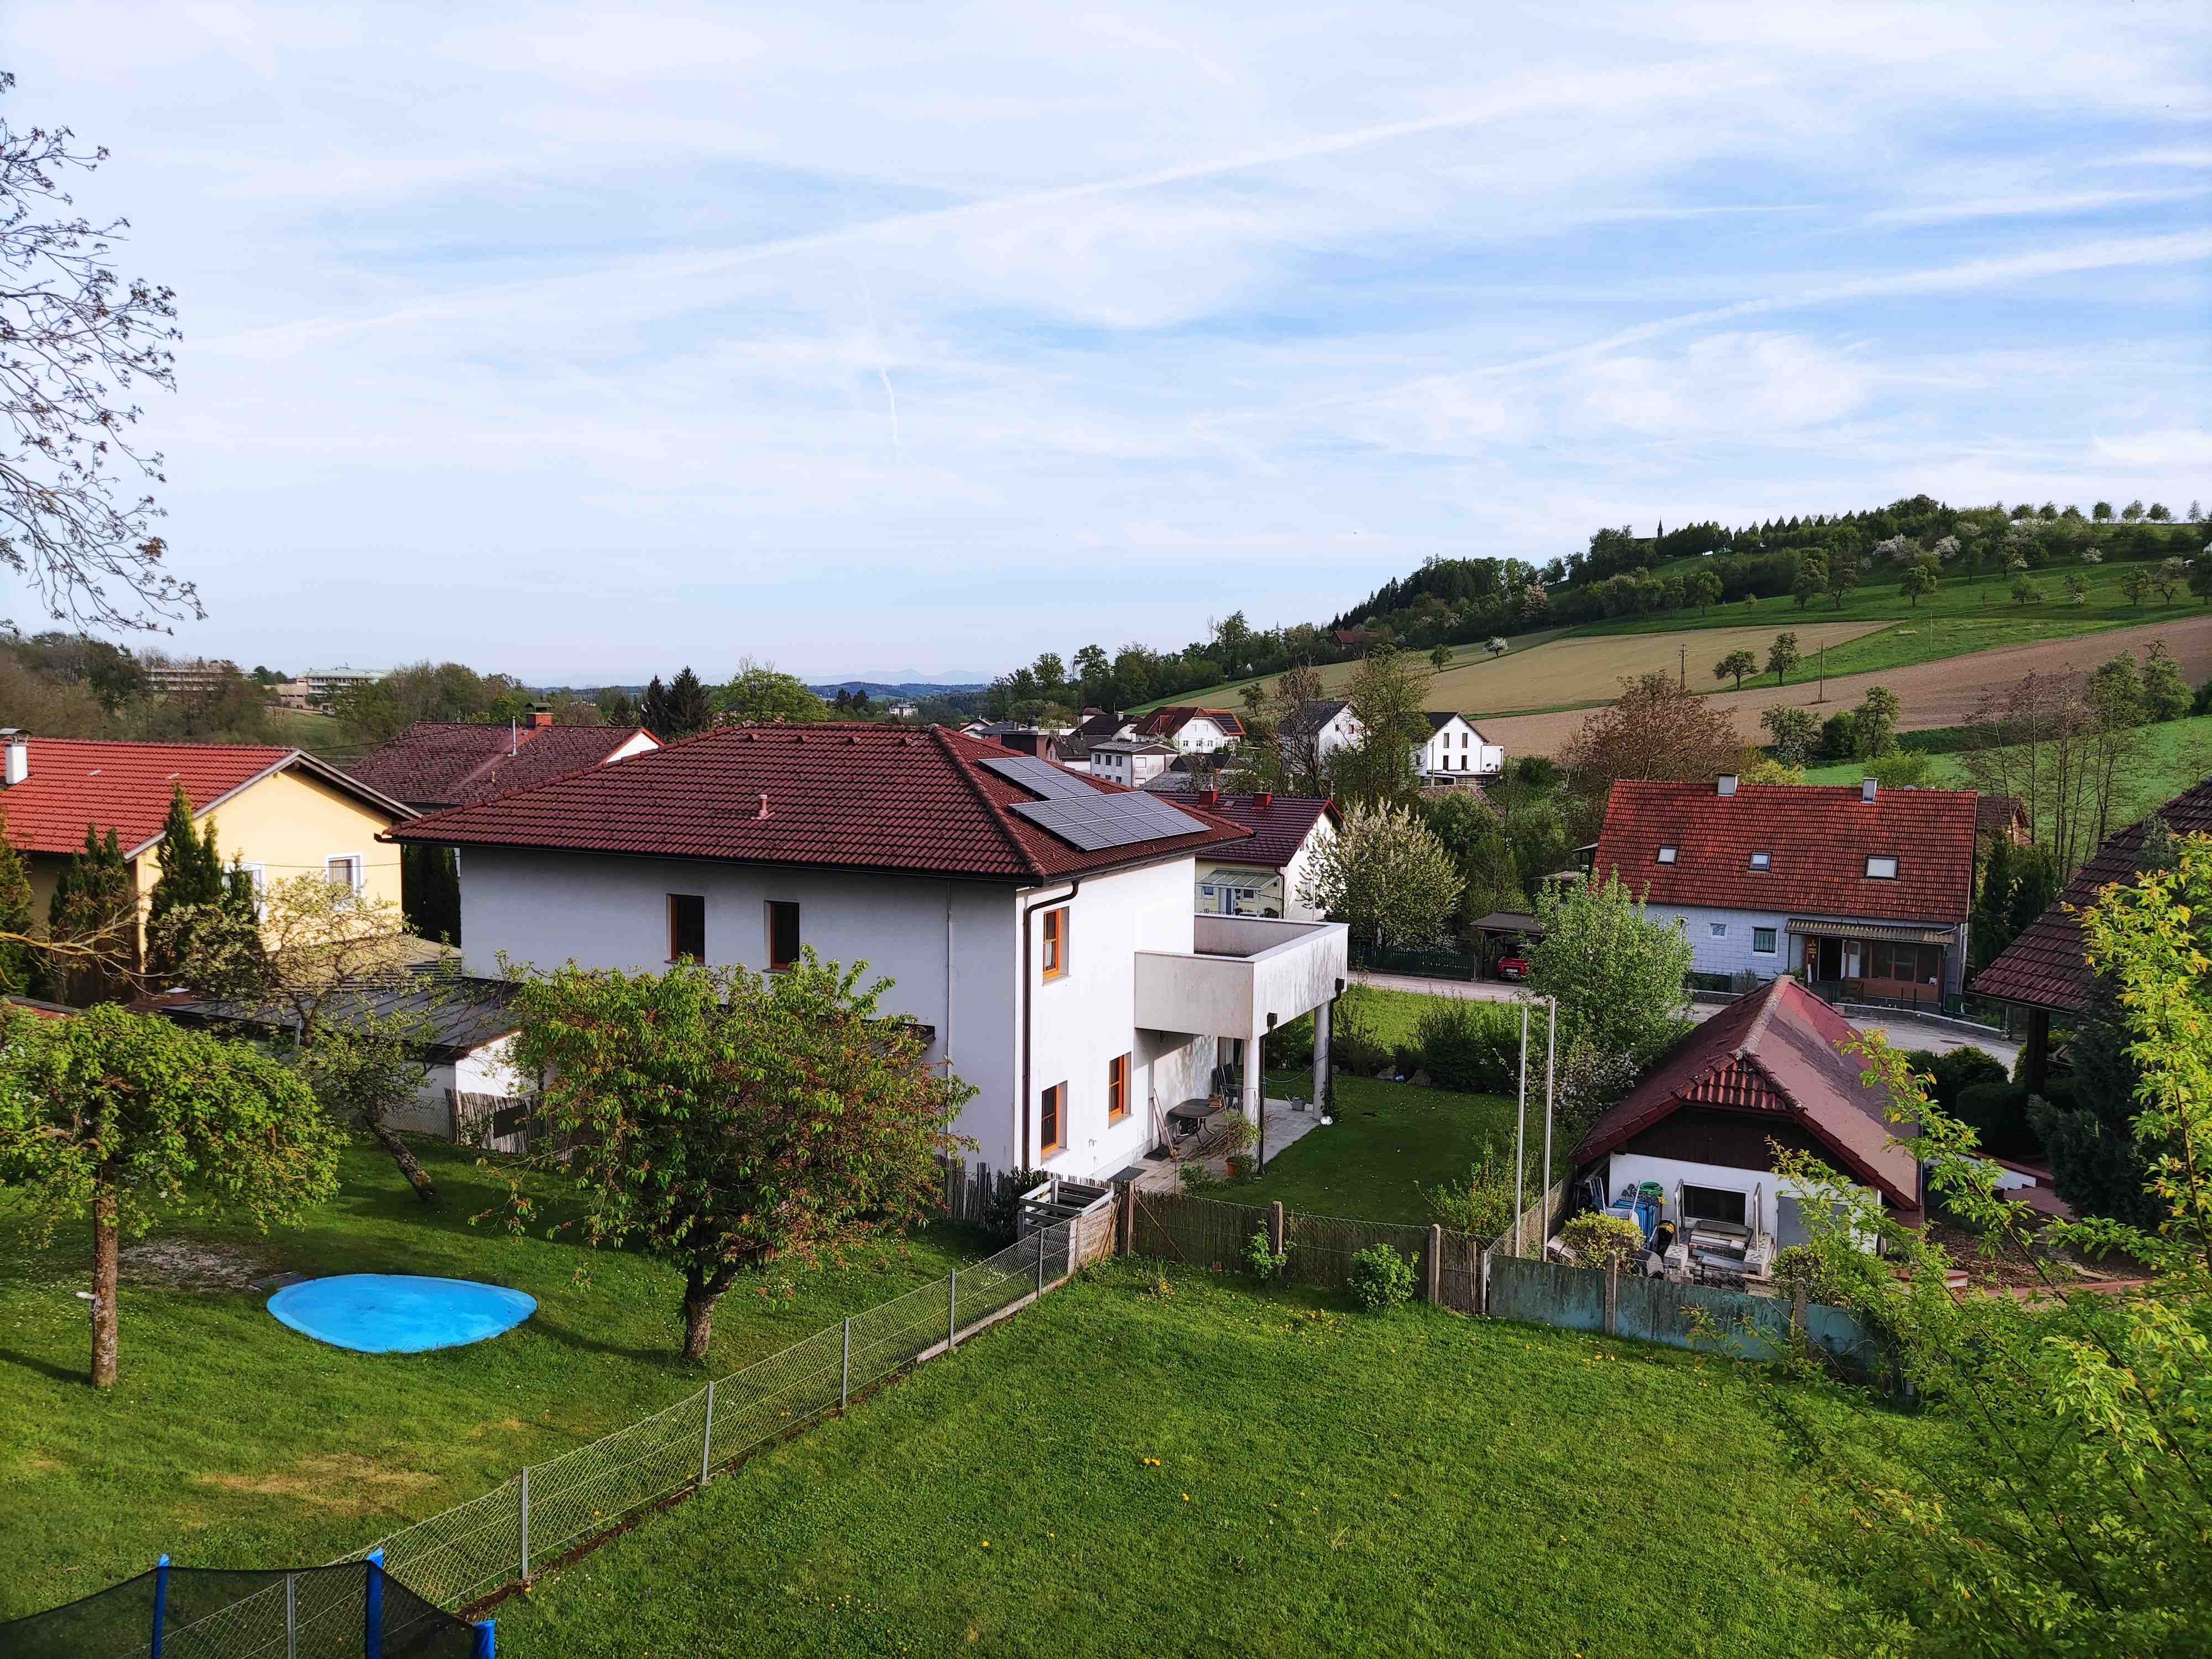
x: 1052, y: 1121
x: 1117, y: 1088
x: 1055, y: 943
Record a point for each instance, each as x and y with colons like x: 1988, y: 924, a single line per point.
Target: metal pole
x: 951, y: 1310
x: 372, y: 1623
x: 1040, y: 1239
x: 706, y: 1440
x: 1551, y: 1063
x: 1520, y: 1132
x: 291, y: 1616
x: 161, y: 1603
x: 845, y: 1369
x: 526, y: 1523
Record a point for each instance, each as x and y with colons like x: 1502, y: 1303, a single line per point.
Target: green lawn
x: 1223, y: 1470
x: 1388, y: 1142
x: 230, y: 1441
x: 2178, y: 754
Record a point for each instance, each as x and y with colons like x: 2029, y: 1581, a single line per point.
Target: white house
x: 1318, y: 727
x: 1261, y: 877
x: 1456, y: 750
x: 1192, y: 731
x: 1865, y: 891
x: 1132, y: 762
x: 1037, y: 923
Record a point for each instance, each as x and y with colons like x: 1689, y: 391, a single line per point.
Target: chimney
x: 1263, y: 800
x: 763, y: 805
x: 540, y: 718
x: 1209, y: 798
x: 1727, y: 784
x: 1867, y: 789
x: 19, y: 756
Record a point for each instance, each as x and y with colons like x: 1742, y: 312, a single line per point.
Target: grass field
x: 1191, y: 1465
x: 2180, y: 754
x: 1389, y: 1141
x: 1875, y: 629
x: 230, y: 1441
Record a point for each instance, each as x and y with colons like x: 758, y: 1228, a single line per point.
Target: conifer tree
x: 191, y: 874
x: 21, y: 968
x: 91, y: 921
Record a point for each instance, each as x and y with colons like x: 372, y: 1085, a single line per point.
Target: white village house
x: 1320, y: 726
x: 1038, y: 923
x: 1862, y: 892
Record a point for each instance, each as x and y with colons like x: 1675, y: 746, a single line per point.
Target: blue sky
x: 584, y: 343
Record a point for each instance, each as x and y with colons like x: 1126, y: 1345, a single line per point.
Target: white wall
x: 1733, y: 953
x: 548, y: 908
x: 1088, y: 1015
x: 1199, y: 736
x: 1295, y: 908
x: 1623, y: 1168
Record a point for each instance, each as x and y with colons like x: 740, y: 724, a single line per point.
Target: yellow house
x: 279, y: 811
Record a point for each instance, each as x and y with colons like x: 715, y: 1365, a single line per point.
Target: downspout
x: 948, y: 979
x: 1028, y: 998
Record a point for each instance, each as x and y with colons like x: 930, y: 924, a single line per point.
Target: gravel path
x: 1934, y: 693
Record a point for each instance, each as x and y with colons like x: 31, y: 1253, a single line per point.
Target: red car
x: 1513, y: 967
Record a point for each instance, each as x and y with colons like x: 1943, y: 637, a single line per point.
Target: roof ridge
x: 943, y: 739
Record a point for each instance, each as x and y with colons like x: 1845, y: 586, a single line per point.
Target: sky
x: 584, y: 342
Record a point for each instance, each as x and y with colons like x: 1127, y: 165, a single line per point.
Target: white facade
x: 637, y: 742
x: 1132, y: 764
x: 1200, y: 735
x: 1771, y: 1203
x: 1342, y: 731
x: 1228, y: 888
x: 1456, y: 749
x: 1758, y: 941
x: 954, y: 951
x: 483, y: 1071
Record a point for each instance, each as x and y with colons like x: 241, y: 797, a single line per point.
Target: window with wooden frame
x: 1117, y: 1088
x: 687, y: 927
x: 782, y: 934
x: 1052, y: 1121
x: 1052, y: 946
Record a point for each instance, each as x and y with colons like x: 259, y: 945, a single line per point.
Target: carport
x: 1497, y: 933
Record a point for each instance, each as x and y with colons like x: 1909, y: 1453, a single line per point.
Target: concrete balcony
x: 1244, y: 969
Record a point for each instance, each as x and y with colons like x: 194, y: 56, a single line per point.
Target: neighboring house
x: 174, y: 679
x: 1132, y: 762
x: 281, y: 812
x: 1703, y: 1121
x: 1101, y: 723
x: 1355, y: 639
x: 438, y: 763
x: 1192, y: 731
x: 1037, y: 923
x: 467, y: 1030
x: 1073, y: 751
x: 1863, y: 892
x: 2043, y: 970
x: 2002, y: 817
x: 1261, y: 877
x: 1454, y: 749
x: 1317, y: 728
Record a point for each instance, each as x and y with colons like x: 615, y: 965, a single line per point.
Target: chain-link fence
x: 352, y: 1611
x: 548, y: 1510
x: 1317, y: 1248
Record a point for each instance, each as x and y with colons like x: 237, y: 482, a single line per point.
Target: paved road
x: 1901, y: 1033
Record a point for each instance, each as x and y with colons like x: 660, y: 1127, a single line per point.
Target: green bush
x: 1381, y: 1278
x: 1483, y: 1206
x: 1998, y: 1112
x: 1471, y: 1047
x: 1290, y: 1047
x: 1265, y: 1263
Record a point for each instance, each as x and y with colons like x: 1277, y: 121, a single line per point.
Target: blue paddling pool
x: 399, y: 1313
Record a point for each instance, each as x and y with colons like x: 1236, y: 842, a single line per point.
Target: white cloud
x: 2168, y: 451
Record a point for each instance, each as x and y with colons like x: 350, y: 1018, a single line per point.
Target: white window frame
x: 1773, y: 941
x: 258, y: 874
x: 1717, y: 930
x: 357, y: 871
x: 1762, y: 861
x: 1875, y: 859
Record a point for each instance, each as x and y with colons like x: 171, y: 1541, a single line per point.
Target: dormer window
x: 1762, y: 860
x: 1667, y: 854
x: 1881, y: 869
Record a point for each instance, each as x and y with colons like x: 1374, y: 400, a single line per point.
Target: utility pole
x: 1683, y: 650
x: 1520, y: 1132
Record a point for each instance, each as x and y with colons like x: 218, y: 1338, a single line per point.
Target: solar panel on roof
x: 1097, y: 823
x: 1039, y: 777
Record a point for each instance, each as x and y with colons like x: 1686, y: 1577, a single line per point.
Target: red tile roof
x: 1278, y: 829
x: 2043, y: 967
x: 1820, y: 840
x: 458, y: 764
x: 125, y: 787
x: 1166, y: 722
x: 1773, y: 1053
x: 846, y: 797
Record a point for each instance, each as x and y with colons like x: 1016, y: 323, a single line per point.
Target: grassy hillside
x: 1875, y: 629
x: 2180, y: 755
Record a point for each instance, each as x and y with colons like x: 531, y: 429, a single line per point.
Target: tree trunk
x: 417, y: 1176
x: 104, y: 1312
x: 698, y: 1319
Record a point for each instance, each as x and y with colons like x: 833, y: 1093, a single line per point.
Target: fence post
x: 1125, y: 1217
x: 291, y: 1615
x: 1040, y: 1242
x: 1482, y: 1279
x: 161, y: 1603
x: 372, y: 1620
x: 1611, y: 1295
x: 706, y: 1440
x: 526, y: 1523
x: 1275, y: 1228
x: 952, y: 1310
x: 486, y: 1640
x: 845, y: 1369
x: 1436, y: 1260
